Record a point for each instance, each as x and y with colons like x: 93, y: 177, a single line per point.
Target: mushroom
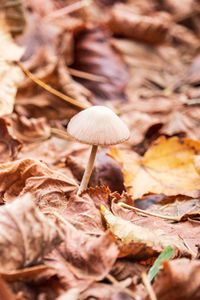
x: 97, y: 125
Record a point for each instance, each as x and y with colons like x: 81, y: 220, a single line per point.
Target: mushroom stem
x: 88, y: 170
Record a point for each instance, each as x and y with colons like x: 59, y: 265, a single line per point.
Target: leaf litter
x: 139, y: 58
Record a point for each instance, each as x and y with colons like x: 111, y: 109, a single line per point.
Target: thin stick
x: 88, y: 170
x: 50, y: 89
x: 148, y: 287
x: 121, y: 204
x: 117, y: 283
x: 67, y: 9
x: 61, y: 133
x: 86, y: 75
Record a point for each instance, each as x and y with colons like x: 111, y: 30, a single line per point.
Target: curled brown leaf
x: 25, y: 235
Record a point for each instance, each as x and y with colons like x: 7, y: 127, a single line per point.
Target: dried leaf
x: 71, y: 87
x: 163, y: 168
x: 29, y: 235
x: 48, y: 187
x: 140, y: 242
x: 180, y: 210
x: 94, y: 54
x: 178, y: 280
x: 29, y: 130
x: 14, y: 15
x: 9, y: 144
x: 28, y: 273
x: 72, y: 294
x: 150, y: 29
x: 90, y: 257
x: 100, y: 291
x: 83, y: 214
x: 10, y: 74
x: 5, y: 291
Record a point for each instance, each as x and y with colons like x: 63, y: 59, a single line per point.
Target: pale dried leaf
x: 140, y: 242
x: 25, y: 235
x: 10, y: 75
x: 8, y: 49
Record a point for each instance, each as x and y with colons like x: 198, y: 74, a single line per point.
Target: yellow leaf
x: 167, y: 167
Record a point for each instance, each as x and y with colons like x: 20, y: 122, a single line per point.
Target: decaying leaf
x: 10, y: 75
x: 25, y: 235
x: 91, y: 257
x: 9, y: 144
x: 140, y: 242
x: 29, y: 175
x: 29, y: 130
x: 5, y: 291
x: 167, y: 167
x: 94, y: 54
x: 14, y: 14
x: 83, y: 213
x: 180, y: 210
x: 151, y: 29
x: 179, y: 279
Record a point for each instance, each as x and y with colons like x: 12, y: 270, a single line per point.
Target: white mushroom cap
x: 98, y: 125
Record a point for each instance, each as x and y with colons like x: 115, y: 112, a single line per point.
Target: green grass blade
x: 165, y: 255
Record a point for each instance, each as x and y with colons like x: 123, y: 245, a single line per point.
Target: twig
x: 148, y: 287
x: 58, y: 216
x: 67, y: 9
x: 50, y: 89
x: 60, y: 133
x: 117, y: 283
x: 86, y: 75
x: 121, y: 204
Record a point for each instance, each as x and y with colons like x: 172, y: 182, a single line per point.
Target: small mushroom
x: 97, y: 125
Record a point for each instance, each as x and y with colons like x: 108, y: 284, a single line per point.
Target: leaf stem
x: 121, y: 204
x: 50, y: 89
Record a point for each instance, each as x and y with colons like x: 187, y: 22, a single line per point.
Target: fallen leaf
x: 29, y: 236
x: 72, y: 294
x: 94, y: 54
x: 100, y: 291
x: 71, y: 87
x: 124, y: 269
x: 140, y: 242
x: 106, y: 172
x: 90, y: 256
x: 9, y: 144
x: 48, y: 187
x: 5, y: 291
x: 150, y: 29
x: 28, y: 273
x: 10, y: 74
x: 14, y: 14
x: 29, y: 130
x: 163, y: 168
x: 82, y: 212
x: 179, y: 279
x: 180, y: 210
